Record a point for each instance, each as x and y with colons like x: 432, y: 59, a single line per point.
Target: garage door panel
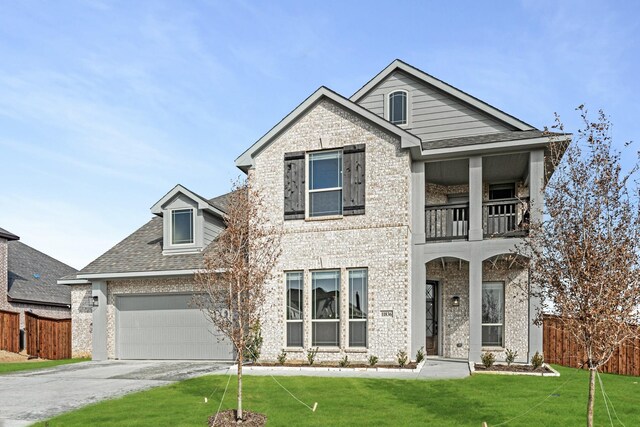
x: 166, y: 327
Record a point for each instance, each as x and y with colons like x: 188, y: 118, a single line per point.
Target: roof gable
x: 201, y: 202
x: 442, y: 86
x: 245, y: 160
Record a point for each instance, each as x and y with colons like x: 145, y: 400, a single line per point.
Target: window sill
x: 328, y: 349
x: 489, y: 348
x: 294, y: 349
x: 323, y: 218
x: 181, y: 251
x: 356, y: 350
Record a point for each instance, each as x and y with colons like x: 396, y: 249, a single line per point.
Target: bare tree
x: 584, y: 253
x: 241, y: 261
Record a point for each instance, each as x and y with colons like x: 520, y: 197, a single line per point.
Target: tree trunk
x: 592, y: 395
x: 239, y: 413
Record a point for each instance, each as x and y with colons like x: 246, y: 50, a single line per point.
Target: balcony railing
x: 505, y: 218
x: 501, y: 218
x: 447, y: 222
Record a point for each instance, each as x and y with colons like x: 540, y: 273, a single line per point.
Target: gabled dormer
x: 190, y: 222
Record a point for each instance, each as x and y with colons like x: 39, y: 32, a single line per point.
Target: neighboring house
x: 28, y: 280
x: 401, y: 207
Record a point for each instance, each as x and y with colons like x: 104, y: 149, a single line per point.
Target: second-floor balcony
x: 500, y: 218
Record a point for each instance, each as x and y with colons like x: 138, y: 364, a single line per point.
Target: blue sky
x: 105, y: 106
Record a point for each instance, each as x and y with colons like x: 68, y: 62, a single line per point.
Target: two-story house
x: 401, y: 208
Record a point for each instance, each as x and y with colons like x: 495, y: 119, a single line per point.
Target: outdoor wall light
x: 455, y: 301
x: 95, y: 300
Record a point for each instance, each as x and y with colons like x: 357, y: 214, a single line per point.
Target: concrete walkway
x: 433, y: 369
x: 30, y: 396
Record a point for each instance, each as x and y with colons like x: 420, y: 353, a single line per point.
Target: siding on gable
x: 213, y: 226
x: 433, y: 115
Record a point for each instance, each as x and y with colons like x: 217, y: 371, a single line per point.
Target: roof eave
x: 246, y: 160
x: 445, y: 87
x: 136, y: 274
x: 492, y: 147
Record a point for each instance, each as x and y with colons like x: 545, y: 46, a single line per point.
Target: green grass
x: 358, y: 401
x: 28, y: 366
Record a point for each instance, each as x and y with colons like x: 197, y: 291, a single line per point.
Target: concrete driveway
x: 30, y: 396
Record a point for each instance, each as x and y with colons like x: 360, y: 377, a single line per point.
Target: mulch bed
x: 513, y: 368
x: 228, y: 418
x: 300, y: 364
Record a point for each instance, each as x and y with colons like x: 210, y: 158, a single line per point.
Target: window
x: 493, y: 314
x: 294, y: 309
x: 181, y: 226
x: 398, y: 107
x: 502, y: 191
x: 325, y: 310
x: 358, y: 301
x: 325, y: 183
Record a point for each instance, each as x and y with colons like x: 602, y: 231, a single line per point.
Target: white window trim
x: 387, y: 104
x: 308, y: 190
x: 504, y: 314
x: 286, y: 308
x: 193, y: 227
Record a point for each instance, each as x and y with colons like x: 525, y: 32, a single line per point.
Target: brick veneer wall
x: 4, y: 274
x: 378, y: 240
x: 81, y: 320
x: 454, y: 280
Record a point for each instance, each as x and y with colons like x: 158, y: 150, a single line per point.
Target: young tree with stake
x: 240, y: 263
x: 584, y: 253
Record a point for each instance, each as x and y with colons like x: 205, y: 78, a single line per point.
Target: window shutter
x: 353, y: 180
x: 294, y: 176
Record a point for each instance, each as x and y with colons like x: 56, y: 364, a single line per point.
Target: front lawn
x: 27, y: 366
x: 558, y: 401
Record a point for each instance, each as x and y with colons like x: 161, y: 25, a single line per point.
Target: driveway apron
x: 31, y: 396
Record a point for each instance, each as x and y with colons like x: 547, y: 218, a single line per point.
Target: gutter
x: 54, y: 304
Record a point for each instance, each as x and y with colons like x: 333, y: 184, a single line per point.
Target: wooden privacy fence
x: 561, y: 348
x: 47, y: 338
x: 9, y: 331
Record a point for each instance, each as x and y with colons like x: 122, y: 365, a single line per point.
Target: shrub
x: 344, y: 362
x: 537, y: 360
x: 282, y: 357
x: 254, y: 343
x: 510, y: 356
x: 373, y: 360
x: 488, y: 359
x: 311, y: 355
x: 402, y: 358
x: 420, y: 355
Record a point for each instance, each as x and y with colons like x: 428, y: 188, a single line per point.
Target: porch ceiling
x: 495, y: 169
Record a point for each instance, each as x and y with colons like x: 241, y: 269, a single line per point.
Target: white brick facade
x: 378, y: 240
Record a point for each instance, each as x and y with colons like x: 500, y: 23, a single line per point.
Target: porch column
x: 475, y: 198
x: 99, y: 326
x: 536, y: 193
x: 475, y: 304
x: 417, y: 202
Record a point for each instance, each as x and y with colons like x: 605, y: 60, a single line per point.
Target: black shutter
x: 294, y: 185
x: 353, y: 180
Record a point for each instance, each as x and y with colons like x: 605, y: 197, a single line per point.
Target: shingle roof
x: 142, y: 251
x: 221, y: 202
x: 33, y: 276
x: 485, y: 139
x: 8, y: 235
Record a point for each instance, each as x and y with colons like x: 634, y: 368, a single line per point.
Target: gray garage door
x: 166, y: 327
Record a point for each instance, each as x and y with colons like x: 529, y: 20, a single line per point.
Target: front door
x: 431, y: 344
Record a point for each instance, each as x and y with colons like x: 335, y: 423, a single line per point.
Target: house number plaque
x: 386, y: 313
